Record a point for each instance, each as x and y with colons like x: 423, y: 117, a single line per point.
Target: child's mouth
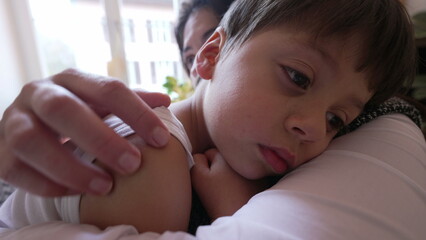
x: 279, y: 159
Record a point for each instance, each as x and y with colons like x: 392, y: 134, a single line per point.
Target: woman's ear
x: 208, y: 55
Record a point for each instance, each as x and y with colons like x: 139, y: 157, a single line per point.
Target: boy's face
x: 277, y: 101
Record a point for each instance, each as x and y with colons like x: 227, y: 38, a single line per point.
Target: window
x: 129, y: 30
x: 129, y: 39
x: 159, y: 31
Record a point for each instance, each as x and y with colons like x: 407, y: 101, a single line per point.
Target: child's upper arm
x: 156, y: 198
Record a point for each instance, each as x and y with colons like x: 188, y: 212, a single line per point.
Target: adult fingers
x: 67, y: 106
x: 16, y: 173
x: 64, y: 113
x: 34, y: 182
x: 113, y: 95
x: 153, y: 99
x: 41, y: 114
x: 75, y: 91
x: 47, y: 168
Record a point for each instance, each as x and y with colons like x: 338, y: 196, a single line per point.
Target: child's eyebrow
x: 315, y: 50
x: 320, y: 51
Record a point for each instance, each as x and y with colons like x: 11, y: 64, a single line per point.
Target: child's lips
x: 279, y: 159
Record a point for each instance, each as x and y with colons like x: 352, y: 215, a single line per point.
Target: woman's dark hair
x: 219, y: 7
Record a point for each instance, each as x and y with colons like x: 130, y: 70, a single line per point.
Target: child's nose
x: 307, y: 128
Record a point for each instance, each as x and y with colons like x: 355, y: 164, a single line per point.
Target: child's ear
x: 208, y: 55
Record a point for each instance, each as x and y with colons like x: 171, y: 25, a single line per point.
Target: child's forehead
x: 349, y: 43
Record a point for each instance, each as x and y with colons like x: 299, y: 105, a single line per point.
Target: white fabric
x: 169, y: 119
x: 22, y: 209
x: 370, y: 184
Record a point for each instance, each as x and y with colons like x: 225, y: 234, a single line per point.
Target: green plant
x: 178, y: 90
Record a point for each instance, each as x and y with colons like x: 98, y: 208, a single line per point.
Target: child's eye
x: 334, y: 123
x: 298, y: 78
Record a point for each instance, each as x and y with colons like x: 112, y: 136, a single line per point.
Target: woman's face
x: 200, y: 25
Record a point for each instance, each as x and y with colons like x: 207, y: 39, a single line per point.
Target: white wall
x: 11, y: 74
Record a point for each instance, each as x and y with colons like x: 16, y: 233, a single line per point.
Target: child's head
x: 284, y: 78
x: 386, y: 47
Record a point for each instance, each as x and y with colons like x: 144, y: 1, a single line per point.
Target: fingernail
x: 129, y: 162
x: 100, y: 186
x: 161, y: 136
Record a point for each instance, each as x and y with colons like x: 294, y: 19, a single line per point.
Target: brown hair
x: 387, y: 48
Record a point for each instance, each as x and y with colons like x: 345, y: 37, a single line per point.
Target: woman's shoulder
x: 369, y: 184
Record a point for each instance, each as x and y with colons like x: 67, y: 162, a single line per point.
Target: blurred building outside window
x: 129, y: 39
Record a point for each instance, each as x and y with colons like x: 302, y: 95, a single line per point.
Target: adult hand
x: 71, y: 105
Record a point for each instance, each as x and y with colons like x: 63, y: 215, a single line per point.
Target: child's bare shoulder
x: 157, y: 197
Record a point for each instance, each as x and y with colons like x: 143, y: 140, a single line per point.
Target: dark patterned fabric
x: 393, y: 105
x: 198, y: 215
x: 5, y: 191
